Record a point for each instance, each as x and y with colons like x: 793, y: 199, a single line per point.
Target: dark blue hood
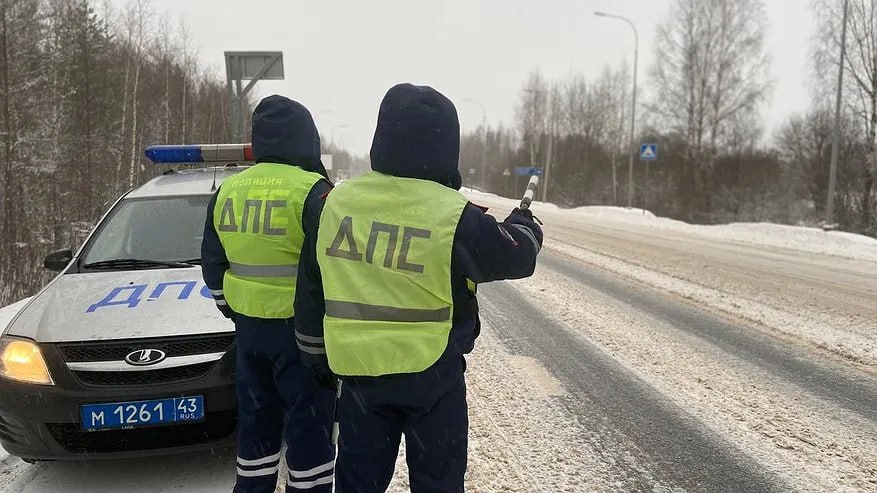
x: 284, y: 132
x: 418, y: 136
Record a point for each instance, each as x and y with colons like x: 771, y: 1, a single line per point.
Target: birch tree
x: 860, y: 95
x: 710, y: 69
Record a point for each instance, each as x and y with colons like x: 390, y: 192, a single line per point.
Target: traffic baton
x: 336, y: 426
x: 530, y: 192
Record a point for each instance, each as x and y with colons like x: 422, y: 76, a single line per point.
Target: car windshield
x: 159, y: 228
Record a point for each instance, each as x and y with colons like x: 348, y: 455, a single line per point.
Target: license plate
x: 136, y: 414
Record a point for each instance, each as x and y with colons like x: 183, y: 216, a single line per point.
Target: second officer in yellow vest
x: 387, y: 294
x: 255, y: 228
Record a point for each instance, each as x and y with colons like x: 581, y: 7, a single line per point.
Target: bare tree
x: 710, y: 68
x: 65, y: 73
x: 861, y: 92
x: 553, y: 117
x: 136, y: 19
x: 20, y: 76
x: 532, y: 113
x: 188, y: 58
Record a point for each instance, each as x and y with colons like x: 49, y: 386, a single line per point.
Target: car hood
x: 120, y: 305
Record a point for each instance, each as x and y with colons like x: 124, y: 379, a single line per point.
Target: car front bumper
x: 43, y: 422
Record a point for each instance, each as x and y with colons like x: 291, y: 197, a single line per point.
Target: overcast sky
x: 341, y: 56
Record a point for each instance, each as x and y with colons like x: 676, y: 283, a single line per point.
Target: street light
x: 633, y: 103
x: 483, y: 138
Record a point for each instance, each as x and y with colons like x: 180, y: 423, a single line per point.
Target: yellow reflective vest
x: 258, y: 217
x: 384, y: 249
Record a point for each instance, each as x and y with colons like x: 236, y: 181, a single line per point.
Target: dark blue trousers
x: 278, y: 401
x: 374, y: 415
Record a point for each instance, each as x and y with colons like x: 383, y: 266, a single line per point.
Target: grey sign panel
x: 250, y: 64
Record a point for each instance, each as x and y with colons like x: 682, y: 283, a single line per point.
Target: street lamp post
x: 633, y: 103
x: 483, y: 139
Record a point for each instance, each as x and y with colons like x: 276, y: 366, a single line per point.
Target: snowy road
x: 697, y: 363
x: 640, y: 357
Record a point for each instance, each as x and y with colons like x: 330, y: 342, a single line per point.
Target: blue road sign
x: 528, y: 171
x: 648, y: 152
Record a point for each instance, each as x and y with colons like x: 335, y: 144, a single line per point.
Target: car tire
x: 30, y: 461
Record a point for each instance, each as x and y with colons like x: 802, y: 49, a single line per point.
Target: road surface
x: 636, y: 359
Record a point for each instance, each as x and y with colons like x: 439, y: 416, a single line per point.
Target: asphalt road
x: 631, y: 417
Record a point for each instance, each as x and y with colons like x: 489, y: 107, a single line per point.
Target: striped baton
x: 530, y: 192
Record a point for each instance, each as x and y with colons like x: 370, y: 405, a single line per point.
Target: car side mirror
x: 58, y: 260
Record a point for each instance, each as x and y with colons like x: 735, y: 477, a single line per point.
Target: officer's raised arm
x: 486, y: 250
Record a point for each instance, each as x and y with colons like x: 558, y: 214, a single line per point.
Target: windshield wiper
x: 134, y: 262
x: 191, y: 261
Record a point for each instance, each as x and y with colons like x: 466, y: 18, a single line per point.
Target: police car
x: 124, y: 353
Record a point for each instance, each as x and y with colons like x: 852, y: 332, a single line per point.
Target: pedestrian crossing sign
x: 648, y: 152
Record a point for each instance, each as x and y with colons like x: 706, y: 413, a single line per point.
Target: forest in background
x: 703, y: 105
x: 82, y: 93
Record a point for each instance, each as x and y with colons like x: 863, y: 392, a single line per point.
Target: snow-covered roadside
x: 812, y: 443
x: 818, y: 330
x: 798, y: 238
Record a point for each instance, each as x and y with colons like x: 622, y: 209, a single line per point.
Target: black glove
x: 524, y: 217
x: 227, y: 311
x: 523, y: 212
x: 324, y: 378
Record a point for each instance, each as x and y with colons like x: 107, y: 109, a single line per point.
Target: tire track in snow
x: 850, y: 390
x: 622, y: 412
x: 809, y: 441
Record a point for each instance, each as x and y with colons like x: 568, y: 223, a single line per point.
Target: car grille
x: 87, y: 352
x: 216, y: 426
x: 117, y: 350
x: 148, y: 377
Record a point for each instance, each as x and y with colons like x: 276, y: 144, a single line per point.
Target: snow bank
x: 798, y: 238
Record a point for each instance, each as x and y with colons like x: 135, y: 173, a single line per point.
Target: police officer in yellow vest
x: 387, y: 292
x: 255, y: 228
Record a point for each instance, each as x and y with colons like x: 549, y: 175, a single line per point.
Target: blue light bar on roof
x: 200, y: 153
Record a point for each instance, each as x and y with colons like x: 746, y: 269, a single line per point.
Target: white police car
x: 124, y: 352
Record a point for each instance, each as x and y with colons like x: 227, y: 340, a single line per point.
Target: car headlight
x: 21, y: 360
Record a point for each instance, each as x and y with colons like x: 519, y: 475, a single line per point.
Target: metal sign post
x: 647, y: 153
x: 253, y: 66
x: 527, y: 171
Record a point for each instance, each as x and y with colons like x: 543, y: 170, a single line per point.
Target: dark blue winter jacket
x: 283, y: 132
x: 418, y: 136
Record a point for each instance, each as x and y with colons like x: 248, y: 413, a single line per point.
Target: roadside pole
x: 647, y: 153
x: 253, y: 66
